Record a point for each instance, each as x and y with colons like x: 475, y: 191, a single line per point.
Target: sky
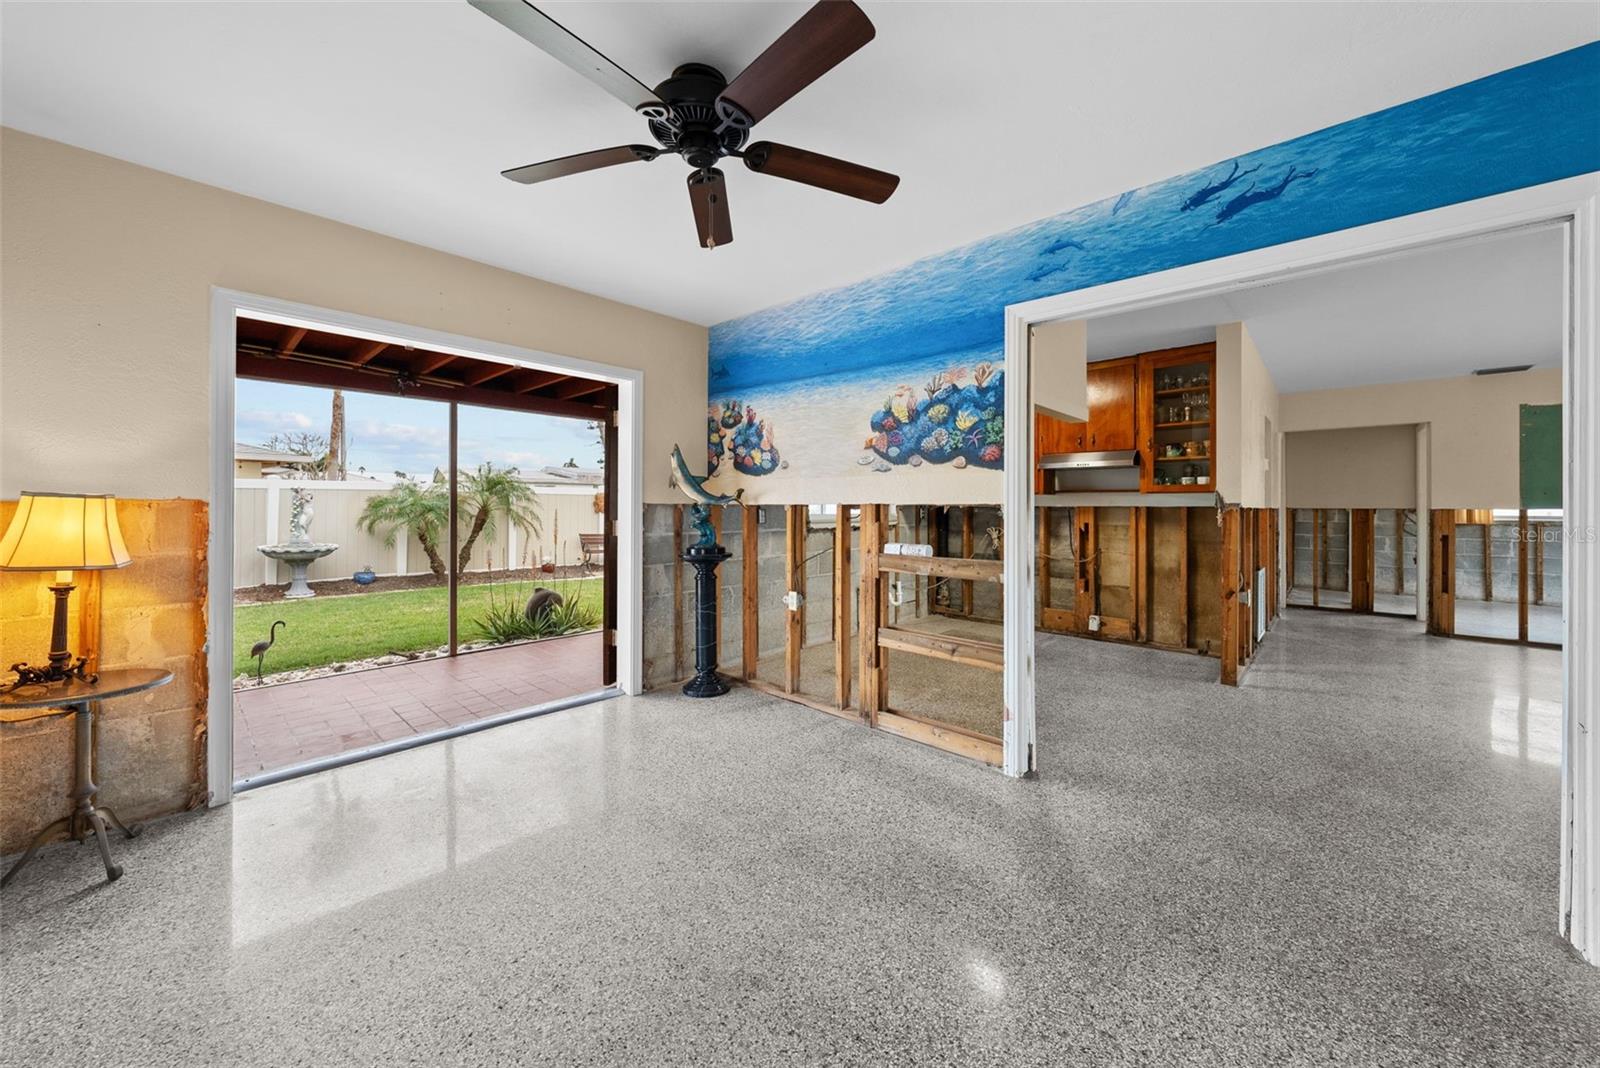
x: 389, y: 434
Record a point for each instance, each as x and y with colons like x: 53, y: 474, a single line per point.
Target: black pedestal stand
x: 706, y: 681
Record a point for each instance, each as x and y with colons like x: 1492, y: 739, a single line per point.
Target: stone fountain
x: 299, y: 550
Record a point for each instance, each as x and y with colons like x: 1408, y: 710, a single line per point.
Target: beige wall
x: 1247, y: 421
x: 1365, y: 467
x: 1473, y: 427
x: 107, y: 269
x: 1059, y: 368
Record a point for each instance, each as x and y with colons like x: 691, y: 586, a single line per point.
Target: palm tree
x: 490, y: 490
x: 425, y: 509
x: 411, y: 506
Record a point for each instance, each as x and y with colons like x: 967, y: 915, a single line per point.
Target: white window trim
x: 226, y: 306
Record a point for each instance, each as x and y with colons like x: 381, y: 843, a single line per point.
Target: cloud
x: 272, y: 421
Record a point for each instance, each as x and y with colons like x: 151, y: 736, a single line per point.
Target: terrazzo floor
x: 1349, y: 860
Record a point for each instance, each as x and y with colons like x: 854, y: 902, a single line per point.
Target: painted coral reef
x: 734, y: 430
x: 953, y: 421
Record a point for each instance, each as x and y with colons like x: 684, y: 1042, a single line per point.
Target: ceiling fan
x: 698, y: 114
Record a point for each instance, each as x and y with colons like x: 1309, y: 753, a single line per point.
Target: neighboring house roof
x: 568, y: 476
x: 259, y: 454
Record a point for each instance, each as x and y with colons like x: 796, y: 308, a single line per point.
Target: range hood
x: 1081, y: 461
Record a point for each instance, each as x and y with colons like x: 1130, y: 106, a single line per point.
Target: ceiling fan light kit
x: 700, y: 116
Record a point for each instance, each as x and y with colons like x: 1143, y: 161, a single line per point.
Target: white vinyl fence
x: 261, y: 517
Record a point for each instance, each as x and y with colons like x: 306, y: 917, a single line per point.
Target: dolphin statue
x: 693, y: 487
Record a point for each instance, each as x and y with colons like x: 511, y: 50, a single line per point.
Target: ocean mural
x: 843, y: 376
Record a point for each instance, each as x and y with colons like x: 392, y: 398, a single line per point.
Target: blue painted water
x: 1526, y: 126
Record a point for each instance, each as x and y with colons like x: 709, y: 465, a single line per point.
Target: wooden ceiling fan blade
x: 824, y: 172
x: 582, y: 161
x: 708, y: 194
x: 537, y: 28
x: 823, y: 38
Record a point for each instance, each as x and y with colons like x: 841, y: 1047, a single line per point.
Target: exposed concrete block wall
x: 1335, y: 548
x: 1503, y: 538
x: 151, y: 748
x: 1391, y: 548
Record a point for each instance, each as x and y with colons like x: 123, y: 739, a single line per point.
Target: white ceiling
x: 398, y: 117
x: 1433, y: 314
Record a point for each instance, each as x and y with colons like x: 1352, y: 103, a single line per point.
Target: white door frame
x: 226, y: 306
x: 1572, y: 203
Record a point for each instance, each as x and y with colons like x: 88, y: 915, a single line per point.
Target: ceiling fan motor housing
x: 691, y: 127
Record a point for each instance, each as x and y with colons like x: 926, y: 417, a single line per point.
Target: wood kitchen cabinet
x: 1177, y: 419
x: 1112, y: 403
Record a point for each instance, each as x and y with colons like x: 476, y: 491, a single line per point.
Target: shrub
x: 507, y: 622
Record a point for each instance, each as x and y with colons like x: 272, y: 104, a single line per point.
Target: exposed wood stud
x: 990, y: 655
x: 872, y: 678
x: 1042, y: 567
x: 1522, y: 575
x: 751, y: 577
x: 952, y: 567
x: 794, y: 618
x: 1488, y: 561
x: 842, y: 606
x: 966, y: 552
x: 1538, y: 563
x: 292, y: 340
x: 1229, y: 581
x: 1319, y: 555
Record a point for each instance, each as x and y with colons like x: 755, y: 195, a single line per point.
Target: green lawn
x: 331, y: 630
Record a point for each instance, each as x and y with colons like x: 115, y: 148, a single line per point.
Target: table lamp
x: 61, y: 532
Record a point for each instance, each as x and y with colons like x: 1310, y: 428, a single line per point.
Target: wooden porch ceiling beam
x: 577, y: 387
x: 374, y: 380
x: 371, y: 351
x: 435, y: 362
x: 538, y: 380
x: 488, y: 371
x: 292, y: 340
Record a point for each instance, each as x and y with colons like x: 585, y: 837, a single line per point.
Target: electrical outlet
x: 1094, y: 624
x: 793, y: 600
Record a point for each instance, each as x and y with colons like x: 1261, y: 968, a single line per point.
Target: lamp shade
x: 63, y: 532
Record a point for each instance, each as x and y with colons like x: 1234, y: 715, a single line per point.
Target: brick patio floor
x: 291, y: 723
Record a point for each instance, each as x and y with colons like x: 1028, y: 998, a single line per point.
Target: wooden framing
x: 1042, y: 565
x: 796, y: 521
x: 966, y: 554
x: 1522, y: 575
x: 609, y: 612
x: 1230, y: 596
x: 1362, y: 579
x: 750, y: 641
x: 842, y: 604
x: 1441, y: 579
x: 952, y: 567
x: 873, y: 675
x: 990, y: 655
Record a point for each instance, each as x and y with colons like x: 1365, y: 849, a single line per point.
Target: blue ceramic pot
x: 365, y: 577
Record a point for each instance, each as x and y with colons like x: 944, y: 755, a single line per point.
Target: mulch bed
x: 386, y: 583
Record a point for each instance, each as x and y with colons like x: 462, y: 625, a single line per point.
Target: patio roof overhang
x: 282, y: 353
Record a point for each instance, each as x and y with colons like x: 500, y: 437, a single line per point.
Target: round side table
x: 76, y: 697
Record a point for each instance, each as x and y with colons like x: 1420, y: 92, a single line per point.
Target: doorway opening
x: 418, y: 539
